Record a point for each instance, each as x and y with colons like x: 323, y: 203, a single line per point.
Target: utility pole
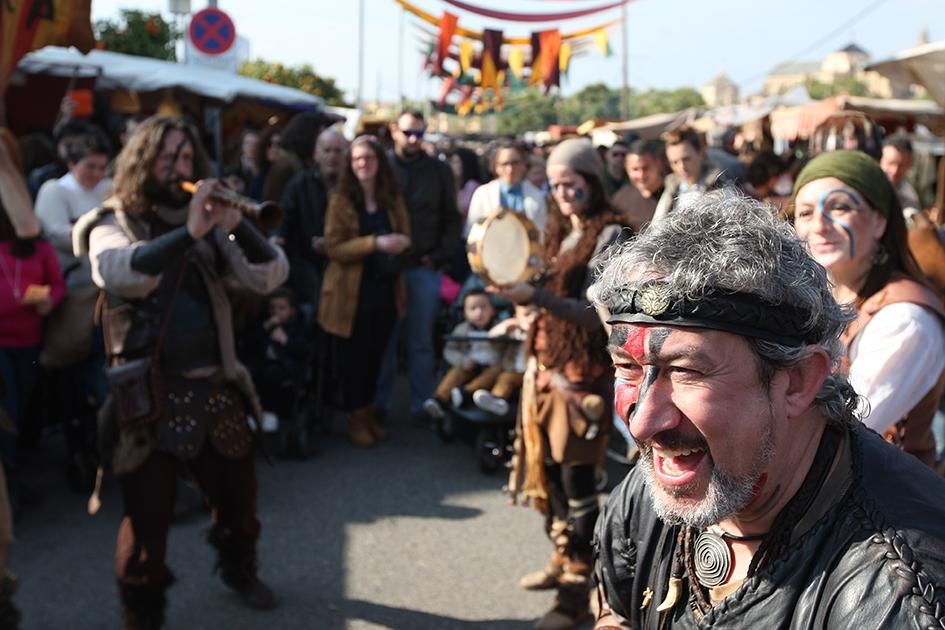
x: 625, y: 92
x: 400, y: 63
x: 360, y: 101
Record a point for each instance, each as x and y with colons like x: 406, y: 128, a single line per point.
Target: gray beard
x: 725, y: 496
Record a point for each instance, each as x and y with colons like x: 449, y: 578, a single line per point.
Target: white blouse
x: 895, y: 360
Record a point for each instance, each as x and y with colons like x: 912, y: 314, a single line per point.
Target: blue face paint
x: 579, y: 194
x: 828, y: 214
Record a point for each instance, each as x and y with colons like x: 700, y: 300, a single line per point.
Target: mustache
x: 674, y: 440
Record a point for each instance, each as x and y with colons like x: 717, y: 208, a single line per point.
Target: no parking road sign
x: 212, y: 31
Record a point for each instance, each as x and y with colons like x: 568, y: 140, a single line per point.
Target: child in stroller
x: 280, y: 357
x: 473, y: 364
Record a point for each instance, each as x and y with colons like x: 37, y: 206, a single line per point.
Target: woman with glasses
x: 567, y: 396
x: 510, y: 189
x: 848, y: 212
x: 363, y: 293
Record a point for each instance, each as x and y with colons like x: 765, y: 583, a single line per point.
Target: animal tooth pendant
x: 672, y: 595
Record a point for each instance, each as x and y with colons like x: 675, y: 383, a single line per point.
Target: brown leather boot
x: 572, y: 602
x: 548, y: 577
x: 378, y: 432
x: 359, y: 427
x: 142, y: 608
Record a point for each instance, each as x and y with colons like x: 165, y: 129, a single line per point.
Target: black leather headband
x: 743, y: 314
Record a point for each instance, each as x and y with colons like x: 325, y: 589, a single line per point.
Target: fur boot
x: 238, y: 567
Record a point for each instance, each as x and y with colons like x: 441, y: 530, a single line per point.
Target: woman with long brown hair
x: 565, y: 416
x: 363, y: 293
x: 849, y: 214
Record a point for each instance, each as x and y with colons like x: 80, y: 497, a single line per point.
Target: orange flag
x: 448, y: 25
x: 550, y: 50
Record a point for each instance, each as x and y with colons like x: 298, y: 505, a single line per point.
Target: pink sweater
x: 21, y: 326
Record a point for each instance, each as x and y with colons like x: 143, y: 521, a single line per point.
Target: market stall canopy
x: 923, y: 65
x: 143, y: 74
x: 793, y: 123
x: 741, y: 114
x: 652, y: 126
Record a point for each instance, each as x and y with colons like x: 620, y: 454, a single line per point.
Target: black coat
x: 436, y: 224
x: 874, y: 559
x: 304, y: 204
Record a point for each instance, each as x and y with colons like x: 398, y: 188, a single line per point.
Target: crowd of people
x: 746, y: 315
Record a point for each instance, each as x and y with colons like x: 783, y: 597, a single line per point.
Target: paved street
x: 406, y: 535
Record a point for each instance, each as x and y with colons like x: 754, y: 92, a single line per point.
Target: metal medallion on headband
x: 654, y: 299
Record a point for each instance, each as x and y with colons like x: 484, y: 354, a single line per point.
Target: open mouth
x: 675, y: 467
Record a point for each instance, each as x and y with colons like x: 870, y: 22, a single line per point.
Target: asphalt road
x: 409, y: 534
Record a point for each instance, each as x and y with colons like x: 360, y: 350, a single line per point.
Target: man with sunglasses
x: 435, y: 230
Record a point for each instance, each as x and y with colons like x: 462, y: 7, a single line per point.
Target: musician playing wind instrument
x: 179, y: 398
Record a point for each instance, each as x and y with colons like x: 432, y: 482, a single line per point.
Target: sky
x: 672, y: 43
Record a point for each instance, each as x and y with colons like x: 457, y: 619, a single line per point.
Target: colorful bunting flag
x: 517, y: 62
x: 550, y: 49
x: 448, y: 25
x: 491, y: 56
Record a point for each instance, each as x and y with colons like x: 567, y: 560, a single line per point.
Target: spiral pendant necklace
x: 714, y: 558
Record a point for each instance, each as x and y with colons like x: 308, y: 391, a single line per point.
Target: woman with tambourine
x: 567, y: 396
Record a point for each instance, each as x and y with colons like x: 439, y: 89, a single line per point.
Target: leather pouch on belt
x: 136, y: 391
x: 183, y: 428
x: 229, y: 431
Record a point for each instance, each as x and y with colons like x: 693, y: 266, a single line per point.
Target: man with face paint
x: 759, y: 499
x: 162, y: 258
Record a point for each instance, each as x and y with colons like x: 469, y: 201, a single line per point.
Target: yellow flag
x: 600, y: 40
x: 564, y: 57
x: 466, y: 52
x: 517, y: 61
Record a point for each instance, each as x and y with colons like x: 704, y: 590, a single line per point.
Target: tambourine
x: 504, y: 247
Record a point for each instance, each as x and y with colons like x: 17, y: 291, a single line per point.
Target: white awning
x: 923, y: 65
x: 143, y: 74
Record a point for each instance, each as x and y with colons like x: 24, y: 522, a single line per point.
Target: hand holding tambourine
x: 504, y: 248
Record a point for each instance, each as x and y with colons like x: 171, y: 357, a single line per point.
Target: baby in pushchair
x: 486, y: 359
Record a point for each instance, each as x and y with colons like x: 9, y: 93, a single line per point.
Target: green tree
x: 594, y: 101
x: 659, y: 101
x: 530, y: 110
x: 843, y: 85
x: 139, y: 33
x: 300, y: 77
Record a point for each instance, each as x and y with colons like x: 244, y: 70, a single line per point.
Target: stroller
x: 492, y: 435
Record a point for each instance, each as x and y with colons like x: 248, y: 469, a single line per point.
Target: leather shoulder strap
x: 898, y: 290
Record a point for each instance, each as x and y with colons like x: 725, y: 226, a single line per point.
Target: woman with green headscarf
x: 847, y: 211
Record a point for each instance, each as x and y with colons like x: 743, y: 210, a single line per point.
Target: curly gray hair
x: 724, y: 241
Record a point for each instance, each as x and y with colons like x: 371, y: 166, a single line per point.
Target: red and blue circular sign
x: 212, y: 31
